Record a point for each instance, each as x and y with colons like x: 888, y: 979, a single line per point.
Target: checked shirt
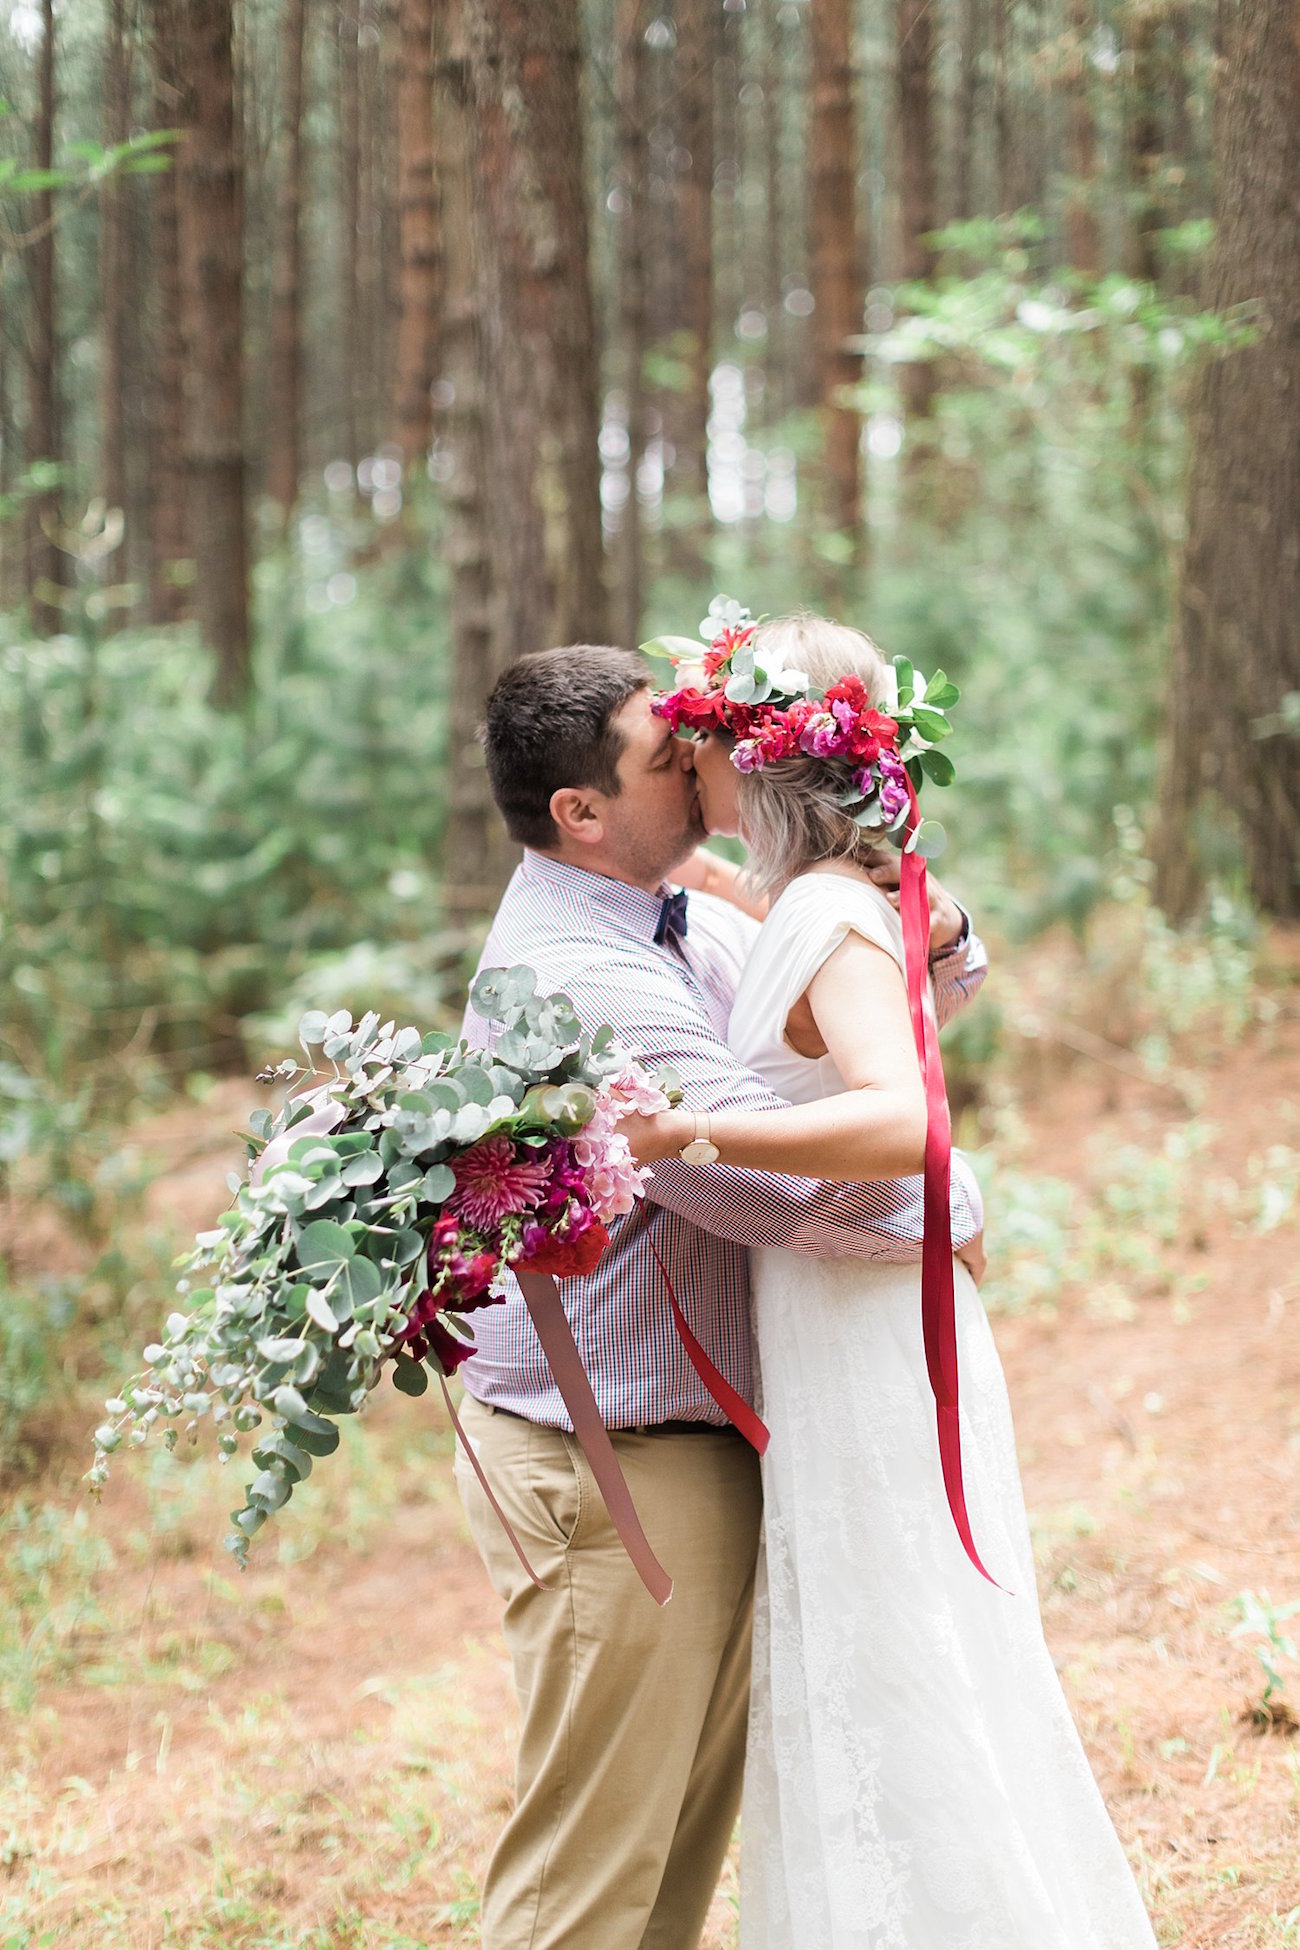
x: 593, y: 938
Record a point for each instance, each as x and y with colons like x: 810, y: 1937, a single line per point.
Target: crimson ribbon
x: 736, y: 1409
x: 938, y: 1302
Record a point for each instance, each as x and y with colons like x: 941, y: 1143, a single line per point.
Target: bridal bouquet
x: 383, y: 1203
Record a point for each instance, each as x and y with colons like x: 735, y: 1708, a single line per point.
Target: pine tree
x: 1236, y: 663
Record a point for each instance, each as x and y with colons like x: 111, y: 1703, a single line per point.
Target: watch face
x: 699, y: 1152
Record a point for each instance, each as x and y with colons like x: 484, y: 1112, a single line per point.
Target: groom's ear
x: 578, y: 815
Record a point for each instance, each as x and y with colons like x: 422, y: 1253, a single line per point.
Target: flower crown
x: 775, y: 714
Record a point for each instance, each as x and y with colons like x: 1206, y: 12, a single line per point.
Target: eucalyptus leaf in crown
x: 384, y: 1201
x: 886, y: 749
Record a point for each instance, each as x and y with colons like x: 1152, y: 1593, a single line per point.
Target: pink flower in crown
x: 492, y: 1181
x: 894, y: 796
x: 824, y: 736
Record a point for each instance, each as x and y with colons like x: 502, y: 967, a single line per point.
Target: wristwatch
x: 701, y: 1150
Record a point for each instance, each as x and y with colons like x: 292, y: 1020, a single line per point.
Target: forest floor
x: 318, y: 1753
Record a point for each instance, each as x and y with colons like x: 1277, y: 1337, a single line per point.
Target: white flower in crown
x: 725, y: 613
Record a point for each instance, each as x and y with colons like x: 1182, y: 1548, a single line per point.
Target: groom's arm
x: 957, y: 974
x: 958, y: 959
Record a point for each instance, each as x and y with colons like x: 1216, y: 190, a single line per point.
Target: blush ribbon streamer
x: 542, y: 1298
x: 938, y: 1300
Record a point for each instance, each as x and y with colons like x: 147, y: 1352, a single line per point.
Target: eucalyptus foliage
x: 296, y: 1303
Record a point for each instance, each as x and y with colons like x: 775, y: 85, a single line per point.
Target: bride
x: 914, y: 1780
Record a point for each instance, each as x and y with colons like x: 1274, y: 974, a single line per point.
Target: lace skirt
x: 914, y: 1778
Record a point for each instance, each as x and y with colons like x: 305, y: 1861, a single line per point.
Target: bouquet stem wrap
x: 938, y: 1300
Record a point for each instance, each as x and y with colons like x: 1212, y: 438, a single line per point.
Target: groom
x: 633, y: 1718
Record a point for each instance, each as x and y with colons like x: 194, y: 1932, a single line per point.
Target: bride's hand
x: 658, y: 1136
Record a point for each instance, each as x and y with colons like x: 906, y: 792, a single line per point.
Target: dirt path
x: 318, y: 1753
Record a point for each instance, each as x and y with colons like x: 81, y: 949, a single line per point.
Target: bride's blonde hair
x: 790, y: 814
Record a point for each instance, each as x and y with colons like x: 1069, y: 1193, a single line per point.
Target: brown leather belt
x: 637, y: 1428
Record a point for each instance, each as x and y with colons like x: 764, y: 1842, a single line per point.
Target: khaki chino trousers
x: 632, y: 1743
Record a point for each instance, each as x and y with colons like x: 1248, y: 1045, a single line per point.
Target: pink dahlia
x: 492, y: 1181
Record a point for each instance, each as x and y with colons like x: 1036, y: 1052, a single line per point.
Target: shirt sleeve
x: 654, y: 1011
x: 957, y: 975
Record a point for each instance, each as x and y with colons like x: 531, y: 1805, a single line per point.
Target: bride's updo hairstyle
x: 790, y: 812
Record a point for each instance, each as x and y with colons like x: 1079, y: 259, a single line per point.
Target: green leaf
x: 279, y: 1351
x: 439, y: 1183
x: 311, y: 1029
x: 279, y: 1449
x: 319, y: 1310
x: 496, y: 991
x: 677, y: 649
x: 289, y: 1404
x: 938, y: 767
x: 941, y: 695
x: 364, y: 1169
x: 322, y: 1248
x: 360, y: 1283
x: 476, y: 1084
x: 928, y: 840
x: 906, y: 680
x: 931, y: 724
x: 410, y: 1377
x: 317, y: 1442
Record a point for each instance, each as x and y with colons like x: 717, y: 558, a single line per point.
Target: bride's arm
x: 709, y: 873
x: 874, y: 1129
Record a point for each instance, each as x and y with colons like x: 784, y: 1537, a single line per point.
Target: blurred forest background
x: 350, y: 349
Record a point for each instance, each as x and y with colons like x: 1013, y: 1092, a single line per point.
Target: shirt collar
x: 614, y: 900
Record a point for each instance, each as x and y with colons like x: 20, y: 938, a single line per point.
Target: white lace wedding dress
x: 914, y: 1779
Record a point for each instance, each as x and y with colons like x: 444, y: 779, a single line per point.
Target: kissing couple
x: 911, y: 1775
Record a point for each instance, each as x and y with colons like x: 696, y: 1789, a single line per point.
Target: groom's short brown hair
x: 549, y: 725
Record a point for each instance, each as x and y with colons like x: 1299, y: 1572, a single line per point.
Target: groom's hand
x: 947, y: 921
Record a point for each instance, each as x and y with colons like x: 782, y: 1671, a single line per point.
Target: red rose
x: 580, y: 1255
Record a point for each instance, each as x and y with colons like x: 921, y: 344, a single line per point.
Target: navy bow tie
x: 672, y: 917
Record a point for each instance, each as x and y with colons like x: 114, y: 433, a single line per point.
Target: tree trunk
x: 633, y: 324
x: 350, y: 200
x: 113, y: 246
x: 211, y: 226
x: 475, y: 849
x: 1000, y: 54
x: 1082, y: 231
x: 778, y: 387
x: 417, y: 315
x: 836, y: 276
x: 1142, y: 141
x: 966, y: 106
x: 539, y: 323
x: 696, y: 54
x: 1237, y: 639
x: 168, y: 526
x: 916, y: 193
x: 44, y: 559
x: 284, y: 470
